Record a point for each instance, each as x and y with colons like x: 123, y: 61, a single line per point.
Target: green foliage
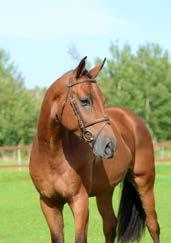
x: 141, y: 81
x: 138, y: 80
x: 18, y: 106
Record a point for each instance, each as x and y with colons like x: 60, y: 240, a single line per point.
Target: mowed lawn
x: 21, y: 220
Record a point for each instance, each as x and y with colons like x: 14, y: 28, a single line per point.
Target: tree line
x: 139, y: 80
x: 19, y: 106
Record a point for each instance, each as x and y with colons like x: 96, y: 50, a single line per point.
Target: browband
x: 70, y: 84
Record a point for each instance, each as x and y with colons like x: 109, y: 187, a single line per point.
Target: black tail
x: 131, y: 215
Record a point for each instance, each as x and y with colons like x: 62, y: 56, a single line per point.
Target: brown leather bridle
x: 86, y: 135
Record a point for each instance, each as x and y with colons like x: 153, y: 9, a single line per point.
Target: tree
x: 18, y: 106
x: 141, y: 81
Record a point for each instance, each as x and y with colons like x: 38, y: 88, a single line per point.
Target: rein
x: 86, y: 135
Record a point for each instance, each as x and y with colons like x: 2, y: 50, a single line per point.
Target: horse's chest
x: 108, y: 173
x: 61, y: 186
x: 67, y: 185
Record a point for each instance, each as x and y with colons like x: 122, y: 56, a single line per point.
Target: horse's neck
x: 48, y: 129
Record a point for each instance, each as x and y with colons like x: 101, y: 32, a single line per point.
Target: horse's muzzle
x: 105, y: 147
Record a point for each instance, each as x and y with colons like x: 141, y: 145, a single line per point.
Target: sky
x: 39, y: 34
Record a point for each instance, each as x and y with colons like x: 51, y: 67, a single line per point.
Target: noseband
x: 86, y: 135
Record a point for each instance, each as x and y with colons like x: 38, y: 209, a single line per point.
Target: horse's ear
x: 80, y: 68
x: 95, y: 71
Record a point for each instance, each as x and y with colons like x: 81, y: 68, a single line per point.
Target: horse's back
x: 129, y: 124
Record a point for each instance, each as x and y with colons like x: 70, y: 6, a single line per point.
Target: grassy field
x: 21, y: 220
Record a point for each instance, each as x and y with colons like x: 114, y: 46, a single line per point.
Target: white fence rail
x: 18, y: 156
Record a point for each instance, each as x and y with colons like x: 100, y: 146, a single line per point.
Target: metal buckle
x: 87, y: 136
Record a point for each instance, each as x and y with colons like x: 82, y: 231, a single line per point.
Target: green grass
x: 21, y: 220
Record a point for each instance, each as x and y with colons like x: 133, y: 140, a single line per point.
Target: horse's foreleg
x: 79, y: 207
x: 54, y: 218
x: 104, y: 203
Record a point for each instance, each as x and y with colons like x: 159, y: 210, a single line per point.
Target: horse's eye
x: 85, y: 101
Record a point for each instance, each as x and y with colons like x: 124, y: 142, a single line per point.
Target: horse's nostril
x: 109, y: 148
x: 105, y: 147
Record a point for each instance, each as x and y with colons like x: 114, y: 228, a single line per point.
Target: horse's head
x: 81, y: 110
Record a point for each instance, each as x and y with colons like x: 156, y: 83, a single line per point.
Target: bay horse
x: 84, y: 149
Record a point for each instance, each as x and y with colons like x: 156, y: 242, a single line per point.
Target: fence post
x: 162, y: 152
x: 19, y: 157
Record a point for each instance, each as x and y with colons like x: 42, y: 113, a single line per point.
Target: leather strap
x: 71, y: 84
x: 86, y: 135
x: 103, y: 119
